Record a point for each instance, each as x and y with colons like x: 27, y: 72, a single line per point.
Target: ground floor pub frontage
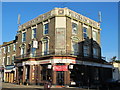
x: 9, y: 74
x: 63, y: 72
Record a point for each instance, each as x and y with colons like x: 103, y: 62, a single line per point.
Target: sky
x: 30, y: 10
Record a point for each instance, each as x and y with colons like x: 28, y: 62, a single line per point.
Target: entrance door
x: 60, y: 78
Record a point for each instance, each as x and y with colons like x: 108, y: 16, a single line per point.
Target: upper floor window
x: 23, y: 49
x: 75, y: 48
x: 3, y: 62
x: 33, y: 52
x: 14, y: 47
x: 0, y: 51
x: 85, y: 35
x: 8, y: 61
x: 13, y: 59
x: 45, y: 28
x: 24, y: 37
x: 45, y: 46
x: 95, y: 52
x: 4, y: 49
x: 94, y: 35
x: 74, y: 28
x: 33, y: 33
x: 86, y: 50
x: 8, y: 48
x: 75, y: 45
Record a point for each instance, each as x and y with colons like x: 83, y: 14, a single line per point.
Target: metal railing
x: 58, y: 53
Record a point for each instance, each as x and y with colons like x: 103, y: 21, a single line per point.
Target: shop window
x: 44, y: 72
x: 27, y: 72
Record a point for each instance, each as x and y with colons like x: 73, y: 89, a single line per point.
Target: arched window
x: 23, y: 49
x: 45, y: 45
x: 75, y: 45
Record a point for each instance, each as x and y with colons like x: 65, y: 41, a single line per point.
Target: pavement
x: 10, y: 86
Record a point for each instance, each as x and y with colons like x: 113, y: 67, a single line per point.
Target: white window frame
x: 75, y: 51
x: 9, y: 48
x: 4, y: 49
x: 35, y: 27
x: 12, y: 58
x: 33, y: 53
x: 72, y: 21
x: 22, y: 36
x: 21, y: 48
x: 14, y: 47
x: 8, y: 61
x: 3, y: 61
x: 43, y: 46
x: 85, y: 26
x: 74, y: 39
x: 96, y: 31
x: 44, y: 27
x: 0, y: 51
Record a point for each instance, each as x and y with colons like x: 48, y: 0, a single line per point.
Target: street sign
x: 60, y: 68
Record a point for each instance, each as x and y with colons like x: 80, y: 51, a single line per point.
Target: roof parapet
x: 60, y: 12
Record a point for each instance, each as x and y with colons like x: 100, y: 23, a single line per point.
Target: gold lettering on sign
x: 82, y: 18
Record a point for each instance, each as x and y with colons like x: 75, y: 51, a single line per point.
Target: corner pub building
x: 61, y: 46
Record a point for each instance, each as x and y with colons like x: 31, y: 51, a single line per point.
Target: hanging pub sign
x: 35, y: 44
x: 60, y: 68
x: 70, y: 66
x: 49, y: 66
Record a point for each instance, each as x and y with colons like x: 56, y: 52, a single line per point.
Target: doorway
x: 60, y: 78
